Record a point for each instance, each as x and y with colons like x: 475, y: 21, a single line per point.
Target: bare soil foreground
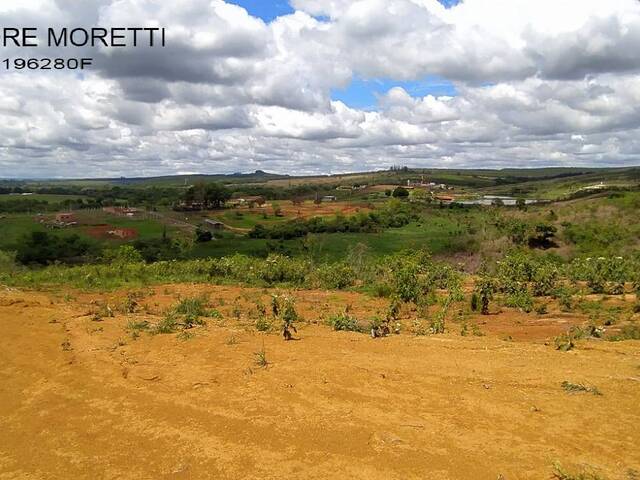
x: 80, y: 398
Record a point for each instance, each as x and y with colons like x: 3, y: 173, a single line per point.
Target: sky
x: 327, y: 86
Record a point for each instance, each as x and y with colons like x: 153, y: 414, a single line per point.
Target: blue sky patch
x: 363, y: 94
x: 265, y: 9
x: 271, y: 9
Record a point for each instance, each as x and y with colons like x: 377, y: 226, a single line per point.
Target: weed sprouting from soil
x: 559, y: 473
x: 185, y: 335
x: 261, y: 357
x: 169, y: 324
x: 579, y: 388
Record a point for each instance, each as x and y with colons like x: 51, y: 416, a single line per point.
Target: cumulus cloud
x: 538, y: 83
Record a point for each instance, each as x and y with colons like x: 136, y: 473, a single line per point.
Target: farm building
x: 445, y: 198
x: 329, y: 198
x: 214, y: 224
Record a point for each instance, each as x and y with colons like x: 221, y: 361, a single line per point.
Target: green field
x: 42, y: 197
x: 15, y: 227
x: 246, y: 220
x: 439, y: 234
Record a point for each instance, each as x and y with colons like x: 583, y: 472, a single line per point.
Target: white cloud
x: 538, y: 82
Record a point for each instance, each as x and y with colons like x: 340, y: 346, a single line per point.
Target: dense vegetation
x: 394, y: 215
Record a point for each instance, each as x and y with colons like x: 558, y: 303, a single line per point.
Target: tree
x: 400, y: 192
x: 521, y: 203
x: 543, y: 236
x: 45, y: 248
x: 216, y: 195
x: 124, y: 254
x: 203, y: 236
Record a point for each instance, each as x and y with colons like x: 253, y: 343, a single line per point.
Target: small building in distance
x: 214, y: 224
x: 445, y: 198
x: 329, y: 198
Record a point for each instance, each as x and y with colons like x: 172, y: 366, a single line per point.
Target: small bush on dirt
x: 193, y: 309
x: 130, y: 302
x: 545, y: 280
x: 261, y: 358
x: 475, y: 302
x: 475, y: 330
x: 169, y: 324
x: 185, y: 335
x: 565, y: 342
x: 628, y: 332
x: 579, y: 388
x: 486, y: 289
x: 344, y: 322
x: 565, y: 298
x: 419, y: 327
x: 263, y: 324
x: 336, y: 276
x: 560, y: 473
x: 138, y: 326
x: 520, y: 299
x: 541, y: 308
x: 103, y: 311
x: 284, y: 309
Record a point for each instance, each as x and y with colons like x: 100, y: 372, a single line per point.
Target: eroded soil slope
x: 81, y: 398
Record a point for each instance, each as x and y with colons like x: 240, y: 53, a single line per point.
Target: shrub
x: 263, y: 324
x: 564, y: 342
x: 545, y: 279
x: 122, y: 255
x: 169, y: 324
x: 485, y: 288
x: 192, y: 309
x: 565, y: 298
x: 560, y: 473
x: 541, y: 309
x: 475, y: 301
x: 344, y: 322
x: 46, y: 248
x: 579, y: 388
x: 7, y: 262
x: 284, y: 309
x: 261, y: 358
x: 336, y: 276
x: 522, y: 300
x: 628, y: 332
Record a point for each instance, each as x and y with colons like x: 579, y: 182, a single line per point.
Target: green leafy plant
x: 344, y: 321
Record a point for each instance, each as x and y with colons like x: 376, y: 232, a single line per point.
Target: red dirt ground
x: 101, y: 232
x: 81, y: 398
